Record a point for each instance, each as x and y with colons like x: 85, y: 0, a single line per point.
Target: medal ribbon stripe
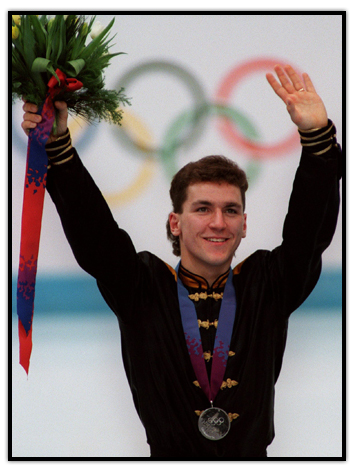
x: 222, y: 340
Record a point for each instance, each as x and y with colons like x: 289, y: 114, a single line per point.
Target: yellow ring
x: 143, y: 137
x: 76, y: 125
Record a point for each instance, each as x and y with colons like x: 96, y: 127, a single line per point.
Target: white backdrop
x: 76, y: 397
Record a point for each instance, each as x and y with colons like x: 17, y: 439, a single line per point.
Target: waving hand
x: 304, y: 105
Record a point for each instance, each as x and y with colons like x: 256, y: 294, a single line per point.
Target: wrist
x: 318, y: 140
x: 60, y: 150
x: 310, y: 130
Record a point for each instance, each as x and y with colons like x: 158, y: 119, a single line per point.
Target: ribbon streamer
x: 32, y: 210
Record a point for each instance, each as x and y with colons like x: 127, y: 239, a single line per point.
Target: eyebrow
x: 208, y: 203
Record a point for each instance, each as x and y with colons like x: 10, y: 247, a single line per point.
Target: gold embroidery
x: 196, y: 383
x: 207, y: 355
x: 203, y: 295
x: 198, y: 413
x: 229, y: 383
x: 207, y: 324
x: 203, y: 324
x: 231, y: 353
x: 196, y: 297
x: 232, y: 416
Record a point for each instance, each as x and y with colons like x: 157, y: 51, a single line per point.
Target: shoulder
x: 256, y: 259
x: 156, y: 266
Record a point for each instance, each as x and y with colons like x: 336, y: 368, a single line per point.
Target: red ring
x: 230, y: 131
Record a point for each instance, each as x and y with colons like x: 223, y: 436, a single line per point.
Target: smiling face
x: 210, y: 228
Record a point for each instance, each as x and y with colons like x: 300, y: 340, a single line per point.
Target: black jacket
x: 141, y: 290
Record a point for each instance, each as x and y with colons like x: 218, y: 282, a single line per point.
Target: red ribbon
x: 64, y: 83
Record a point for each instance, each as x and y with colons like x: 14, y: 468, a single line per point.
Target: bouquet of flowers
x: 49, y: 51
x: 51, y: 61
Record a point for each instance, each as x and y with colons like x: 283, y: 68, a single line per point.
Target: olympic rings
x: 185, y: 127
x: 188, y: 127
x: 224, y: 91
x: 188, y: 79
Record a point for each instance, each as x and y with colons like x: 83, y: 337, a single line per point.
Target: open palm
x: 304, y: 105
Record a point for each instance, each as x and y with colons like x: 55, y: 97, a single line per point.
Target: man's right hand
x: 31, y: 119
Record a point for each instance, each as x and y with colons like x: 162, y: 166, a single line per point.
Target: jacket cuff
x: 320, y: 140
x: 60, y: 151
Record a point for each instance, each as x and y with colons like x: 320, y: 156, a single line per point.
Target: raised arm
x: 100, y: 247
x: 313, y: 208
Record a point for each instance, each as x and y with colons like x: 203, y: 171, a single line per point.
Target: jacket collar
x: 195, y: 281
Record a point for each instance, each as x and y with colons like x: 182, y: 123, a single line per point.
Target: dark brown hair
x: 208, y: 169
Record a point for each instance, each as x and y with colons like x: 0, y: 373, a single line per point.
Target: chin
x: 219, y: 262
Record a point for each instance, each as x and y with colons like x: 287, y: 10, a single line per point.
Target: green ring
x: 169, y: 148
x: 195, y: 88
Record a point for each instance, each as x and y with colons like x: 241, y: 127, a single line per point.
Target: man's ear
x: 244, y: 226
x: 174, y: 221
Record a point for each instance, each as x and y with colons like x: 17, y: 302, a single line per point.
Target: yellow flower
x: 15, y: 32
x: 17, y: 19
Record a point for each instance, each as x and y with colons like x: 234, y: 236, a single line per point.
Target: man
x: 202, y: 344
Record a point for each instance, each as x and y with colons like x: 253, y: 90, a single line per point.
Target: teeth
x: 216, y: 239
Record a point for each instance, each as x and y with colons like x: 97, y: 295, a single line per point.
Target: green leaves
x: 97, y: 43
x: 77, y: 65
x: 40, y: 34
x: 47, y: 43
x: 56, y: 38
x: 41, y: 64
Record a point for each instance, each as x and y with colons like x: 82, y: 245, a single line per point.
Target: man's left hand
x: 304, y: 105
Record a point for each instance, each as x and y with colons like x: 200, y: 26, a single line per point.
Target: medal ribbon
x: 32, y: 210
x: 222, y: 339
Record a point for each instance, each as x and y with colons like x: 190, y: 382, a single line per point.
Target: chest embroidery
x: 203, y: 295
x: 207, y: 324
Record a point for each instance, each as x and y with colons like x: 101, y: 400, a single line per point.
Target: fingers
x: 30, y: 118
x: 308, y: 83
x: 285, y: 82
x: 296, y: 82
x: 30, y: 107
x: 290, y: 81
x: 278, y: 89
x: 62, y: 117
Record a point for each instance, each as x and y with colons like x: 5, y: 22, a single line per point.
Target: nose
x: 217, y: 221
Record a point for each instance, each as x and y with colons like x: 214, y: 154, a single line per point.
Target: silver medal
x: 214, y: 423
